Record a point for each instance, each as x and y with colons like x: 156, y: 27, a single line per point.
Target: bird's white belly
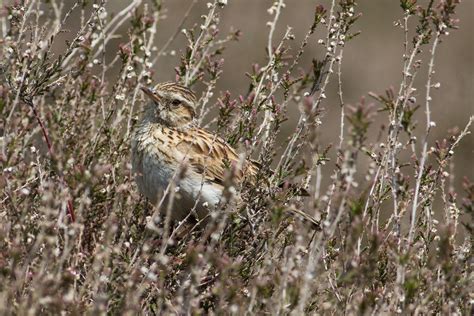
x: 153, y: 176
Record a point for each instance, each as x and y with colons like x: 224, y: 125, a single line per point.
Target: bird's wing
x: 210, y: 156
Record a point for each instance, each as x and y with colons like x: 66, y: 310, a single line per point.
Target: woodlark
x: 168, y: 147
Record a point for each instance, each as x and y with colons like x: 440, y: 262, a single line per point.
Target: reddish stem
x: 70, y: 208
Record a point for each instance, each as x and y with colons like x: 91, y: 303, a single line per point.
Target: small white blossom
x: 215, y: 236
x: 104, y: 278
x: 102, y: 13
x: 69, y: 296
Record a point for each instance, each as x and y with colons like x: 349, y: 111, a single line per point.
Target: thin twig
x: 49, y: 144
x: 424, y: 154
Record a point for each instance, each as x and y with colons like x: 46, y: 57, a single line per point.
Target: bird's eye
x: 176, y: 102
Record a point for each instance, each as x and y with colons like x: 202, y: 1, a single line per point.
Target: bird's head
x: 171, y: 104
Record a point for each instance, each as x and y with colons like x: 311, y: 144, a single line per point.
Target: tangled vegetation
x: 76, y: 236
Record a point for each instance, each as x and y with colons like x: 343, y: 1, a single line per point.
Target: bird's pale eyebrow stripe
x: 173, y: 87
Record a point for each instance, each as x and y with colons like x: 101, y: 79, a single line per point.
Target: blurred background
x: 372, y: 61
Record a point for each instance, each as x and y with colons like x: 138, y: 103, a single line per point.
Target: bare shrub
x: 76, y: 237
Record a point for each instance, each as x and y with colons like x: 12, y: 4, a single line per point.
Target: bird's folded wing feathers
x: 212, y: 157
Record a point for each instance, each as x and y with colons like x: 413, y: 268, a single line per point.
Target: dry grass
x: 76, y: 237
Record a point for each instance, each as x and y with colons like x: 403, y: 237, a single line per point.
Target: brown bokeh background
x: 372, y: 61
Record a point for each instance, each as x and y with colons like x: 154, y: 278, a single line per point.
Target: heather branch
x: 424, y: 155
x: 341, y: 99
x: 193, y: 67
x: 136, y: 90
x: 269, y: 68
x: 175, y: 34
x: 49, y: 144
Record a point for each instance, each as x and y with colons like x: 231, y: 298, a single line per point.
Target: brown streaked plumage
x: 167, y: 141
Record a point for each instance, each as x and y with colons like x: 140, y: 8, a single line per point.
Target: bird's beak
x: 149, y: 92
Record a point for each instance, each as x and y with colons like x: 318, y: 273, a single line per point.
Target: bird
x: 168, y: 147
